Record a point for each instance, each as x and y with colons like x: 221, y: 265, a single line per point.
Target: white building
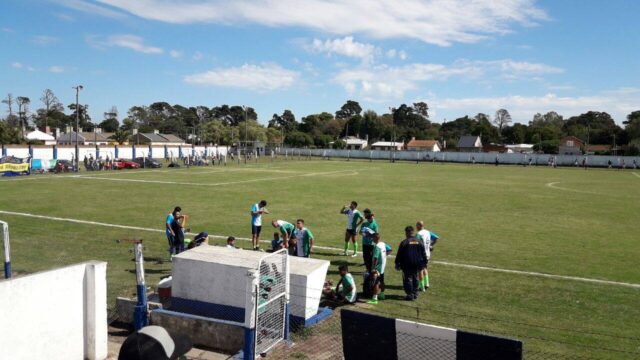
x: 520, y: 148
x: 38, y: 135
x: 354, y: 143
x: 387, y: 145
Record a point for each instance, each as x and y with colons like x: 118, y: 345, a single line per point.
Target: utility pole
x: 78, y: 88
x: 393, y: 142
x: 245, y: 133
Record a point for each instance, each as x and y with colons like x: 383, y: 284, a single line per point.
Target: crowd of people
x: 412, y: 257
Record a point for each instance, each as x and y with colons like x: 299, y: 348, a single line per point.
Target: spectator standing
x: 410, y: 259
x: 379, y: 262
x: 428, y: 239
x: 169, y: 230
x: 354, y: 219
x: 256, y: 222
x: 304, y: 239
x: 367, y: 229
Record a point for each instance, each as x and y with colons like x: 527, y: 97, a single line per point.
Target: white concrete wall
x: 57, y: 314
x: 43, y: 152
x: 126, y: 152
x: 209, y: 282
x: 65, y: 153
x: 21, y: 152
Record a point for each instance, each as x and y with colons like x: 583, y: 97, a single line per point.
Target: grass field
x: 568, y: 222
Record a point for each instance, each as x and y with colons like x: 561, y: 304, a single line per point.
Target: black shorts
x: 379, y: 280
x: 367, y: 252
x: 350, y: 232
x: 255, y: 230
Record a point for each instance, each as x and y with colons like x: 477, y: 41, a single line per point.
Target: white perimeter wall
x: 57, y: 314
x: 124, y: 151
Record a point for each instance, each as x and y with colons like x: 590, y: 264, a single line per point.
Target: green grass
x: 584, y: 225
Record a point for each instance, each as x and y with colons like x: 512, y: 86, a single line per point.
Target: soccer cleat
x: 409, y: 298
x: 354, y: 255
x: 344, y: 253
x: 373, y: 302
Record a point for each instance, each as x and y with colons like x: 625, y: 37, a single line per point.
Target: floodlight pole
x: 7, y: 250
x: 140, y: 313
x: 78, y: 88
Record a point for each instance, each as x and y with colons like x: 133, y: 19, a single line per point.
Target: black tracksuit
x: 411, y: 258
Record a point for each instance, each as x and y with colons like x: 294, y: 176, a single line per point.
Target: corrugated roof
x: 467, y: 141
x: 422, y: 143
x: 153, y: 137
x: 171, y: 138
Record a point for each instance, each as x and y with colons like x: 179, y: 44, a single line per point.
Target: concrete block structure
x: 56, y: 314
x: 307, y: 277
x: 215, y: 288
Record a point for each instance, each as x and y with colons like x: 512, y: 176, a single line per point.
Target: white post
x: 7, y: 250
x: 95, y: 309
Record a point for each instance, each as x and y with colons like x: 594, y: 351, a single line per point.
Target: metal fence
x: 327, y: 340
x: 272, y: 292
x: 628, y: 162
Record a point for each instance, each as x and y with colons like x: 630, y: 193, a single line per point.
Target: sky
x: 309, y: 56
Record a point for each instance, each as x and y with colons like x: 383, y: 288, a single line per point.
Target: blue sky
x: 461, y: 57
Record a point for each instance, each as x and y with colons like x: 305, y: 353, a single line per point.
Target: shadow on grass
x: 151, y: 271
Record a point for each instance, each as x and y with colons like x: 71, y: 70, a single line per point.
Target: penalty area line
x: 445, y: 263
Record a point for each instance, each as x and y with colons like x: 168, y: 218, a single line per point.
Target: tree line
x: 231, y: 124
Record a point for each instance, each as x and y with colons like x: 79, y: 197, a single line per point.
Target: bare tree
x: 50, y: 102
x: 502, y: 119
x: 9, y: 101
x: 23, y: 109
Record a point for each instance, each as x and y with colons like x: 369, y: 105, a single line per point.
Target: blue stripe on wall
x: 366, y: 336
x: 201, y: 308
x: 470, y: 346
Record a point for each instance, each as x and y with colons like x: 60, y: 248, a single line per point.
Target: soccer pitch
x: 549, y: 256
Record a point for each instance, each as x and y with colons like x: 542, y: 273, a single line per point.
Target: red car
x: 119, y: 164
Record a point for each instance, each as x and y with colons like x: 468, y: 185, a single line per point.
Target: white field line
x: 636, y: 174
x: 554, y: 185
x: 338, y: 251
x: 82, y: 177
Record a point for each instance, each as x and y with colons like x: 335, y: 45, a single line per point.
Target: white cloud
x: 435, y: 22
x: 175, y: 54
x: 56, y: 69
x: 345, y: 46
x: 65, y: 17
x: 383, y: 82
x: 16, y: 65
x: 90, y: 8
x: 44, y: 40
x: 262, y: 77
x: 8, y: 30
x: 197, y: 56
x: 132, y: 42
x: 618, y: 103
x: 392, y: 53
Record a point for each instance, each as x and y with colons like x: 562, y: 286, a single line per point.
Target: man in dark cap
x: 411, y: 259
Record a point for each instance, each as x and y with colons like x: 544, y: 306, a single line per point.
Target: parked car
x: 147, y: 162
x: 119, y: 164
x: 64, y: 166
